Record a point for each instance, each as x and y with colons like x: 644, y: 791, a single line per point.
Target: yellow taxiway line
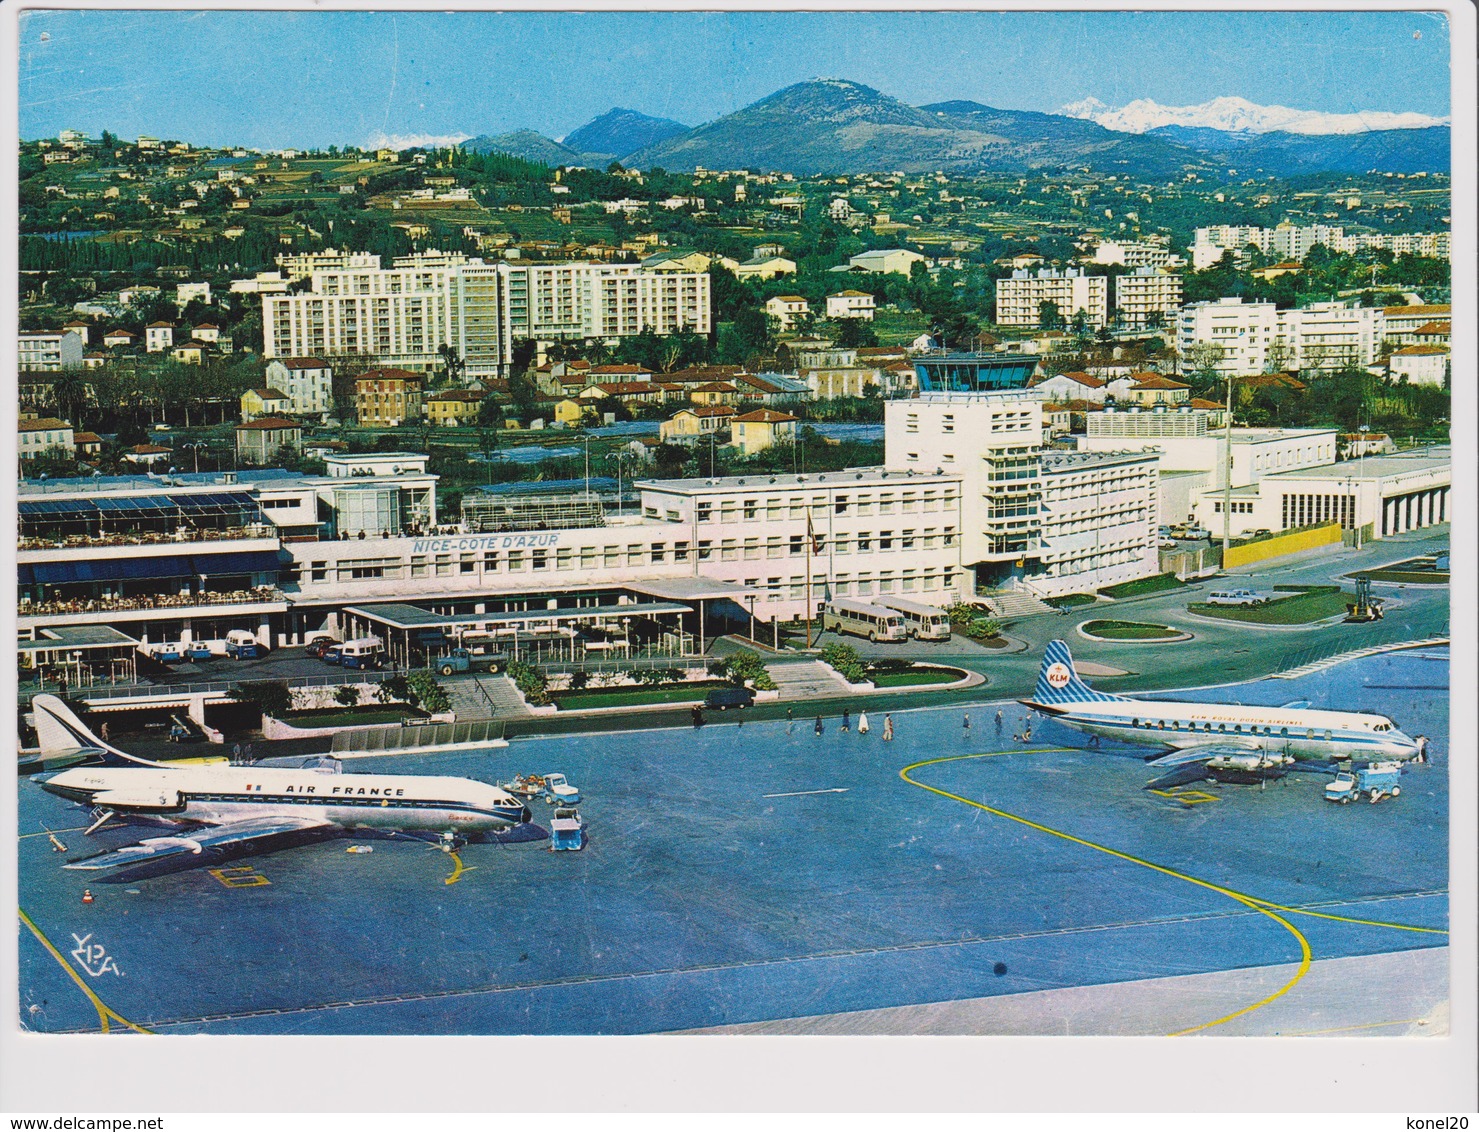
x: 1262, y: 907
x: 106, y: 1014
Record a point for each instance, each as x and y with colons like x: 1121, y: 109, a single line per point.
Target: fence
x: 403, y: 737
x: 148, y: 691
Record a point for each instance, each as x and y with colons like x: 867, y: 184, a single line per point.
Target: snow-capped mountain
x: 1238, y: 115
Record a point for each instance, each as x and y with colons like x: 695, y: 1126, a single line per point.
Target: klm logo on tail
x: 1058, y: 683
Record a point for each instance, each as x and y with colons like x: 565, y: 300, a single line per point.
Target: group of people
x: 819, y: 727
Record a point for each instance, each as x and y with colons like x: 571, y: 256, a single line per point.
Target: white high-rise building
x: 1019, y: 299
x: 1147, y: 297
x: 300, y: 265
x: 1242, y: 332
x: 403, y: 315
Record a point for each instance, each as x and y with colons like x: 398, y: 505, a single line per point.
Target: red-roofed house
x: 1420, y: 365
x: 714, y: 393
x: 264, y: 402
x: 687, y: 425
x: 1148, y: 389
x: 261, y: 441
x: 756, y: 431
x: 1072, y: 386
x: 308, y: 382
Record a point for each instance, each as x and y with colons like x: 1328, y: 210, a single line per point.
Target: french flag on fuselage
x: 1058, y: 683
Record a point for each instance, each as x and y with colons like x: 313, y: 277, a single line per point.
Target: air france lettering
x: 484, y: 542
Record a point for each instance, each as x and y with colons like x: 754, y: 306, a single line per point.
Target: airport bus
x: 924, y: 622
x: 871, y: 621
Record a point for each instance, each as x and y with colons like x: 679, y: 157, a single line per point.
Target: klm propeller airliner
x: 216, y: 813
x: 1228, y: 742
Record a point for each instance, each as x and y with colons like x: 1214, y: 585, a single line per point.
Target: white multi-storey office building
x: 1019, y: 299
x: 1147, y: 297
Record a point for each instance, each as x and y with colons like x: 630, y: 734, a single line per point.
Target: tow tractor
x: 1376, y: 780
x: 553, y: 788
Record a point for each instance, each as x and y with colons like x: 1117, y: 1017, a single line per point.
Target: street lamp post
x: 751, y: 599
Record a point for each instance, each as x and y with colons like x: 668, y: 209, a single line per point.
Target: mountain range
x: 1238, y: 115
x: 838, y: 126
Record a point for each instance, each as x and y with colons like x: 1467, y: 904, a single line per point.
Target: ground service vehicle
x: 725, y: 698
x: 1376, y: 781
x: 362, y: 652
x: 1235, y: 597
x: 875, y: 622
x: 558, y: 791
x: 923, y: 622
x: 241, y: 644
x: 463, y: 660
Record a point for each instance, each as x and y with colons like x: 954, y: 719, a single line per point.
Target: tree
x: 430, y: 695
x: 347, y: 695
x: 490, y: 415
x: 855, y: 332
x: 69, y: 391
x: 271, y: 697
x: 1049, y: 317
x: 452, y: 364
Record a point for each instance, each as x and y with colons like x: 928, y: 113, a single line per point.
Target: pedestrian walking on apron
x: 966, y: 723
x: 846, y: 721
x: 998, y: 721
x: 819, y: 727
x: 862, y: 723
x: 888, y: 727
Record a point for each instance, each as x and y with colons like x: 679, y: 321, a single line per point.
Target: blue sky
x: 272, y: 79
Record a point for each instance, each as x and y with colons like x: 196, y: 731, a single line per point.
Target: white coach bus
x: 924, y: 622
x: 872, y: 621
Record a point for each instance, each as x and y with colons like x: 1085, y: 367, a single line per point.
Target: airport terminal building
x: 968, y: 502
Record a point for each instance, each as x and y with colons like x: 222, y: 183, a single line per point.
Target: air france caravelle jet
x: 220, y: 813
x: 1228, y: 742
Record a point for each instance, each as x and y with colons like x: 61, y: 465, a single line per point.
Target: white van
x: 362, y: 652
x: 241, y: 644
x: 1235, y: 597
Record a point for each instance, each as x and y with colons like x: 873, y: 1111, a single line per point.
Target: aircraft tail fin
x: 59, y: 731
x: 1058, y: 683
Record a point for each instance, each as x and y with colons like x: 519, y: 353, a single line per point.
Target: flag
x: 811, y: 536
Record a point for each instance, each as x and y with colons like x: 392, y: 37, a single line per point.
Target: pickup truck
x: 462, y: 660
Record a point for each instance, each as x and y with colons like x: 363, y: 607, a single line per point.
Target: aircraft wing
x: 1189, y: 764
x: 202, y: 847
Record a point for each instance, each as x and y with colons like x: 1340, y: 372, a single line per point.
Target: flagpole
x: 810, y: 547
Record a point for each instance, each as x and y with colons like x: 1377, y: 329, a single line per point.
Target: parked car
x: 1236, y: 597
x: 725, y: 698
x: 319, y: 645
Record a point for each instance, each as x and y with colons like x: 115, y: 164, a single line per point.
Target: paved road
x: 1219, y: 654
